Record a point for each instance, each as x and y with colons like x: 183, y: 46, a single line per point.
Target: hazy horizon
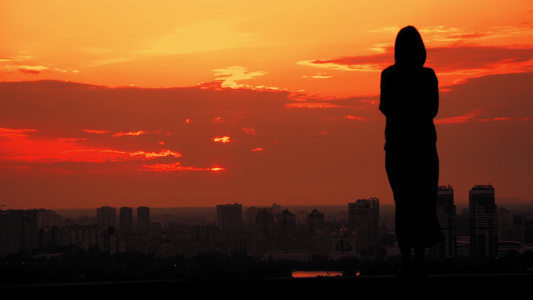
x: 385, y: 209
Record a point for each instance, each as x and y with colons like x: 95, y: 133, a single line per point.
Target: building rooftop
x: 483, y: 187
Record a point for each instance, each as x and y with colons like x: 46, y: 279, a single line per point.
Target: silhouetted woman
x: 409, y: 101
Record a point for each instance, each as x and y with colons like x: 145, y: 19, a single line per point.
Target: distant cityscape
x: 269, y: 233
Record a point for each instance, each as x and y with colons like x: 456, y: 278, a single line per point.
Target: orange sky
x: 195, y: 103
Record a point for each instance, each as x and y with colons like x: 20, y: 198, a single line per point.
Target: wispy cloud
x: 96, y: 131
x: 26, y: 64
x: 199, y: 37
x: 277, y: 139
x: 231, y: 77
x: 177, y: 167
x: 444, y: 36
x: 15, y: 132
x: 222, y: 139
x: 205, y: 36
x: 129, y: 133
x: 312, y: 105
x: 65, y: 150
x: 27, y: 69
x: 343, y: 64
x: 463, y: 60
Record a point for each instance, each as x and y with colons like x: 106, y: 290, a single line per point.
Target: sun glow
x: 176, y: 167
x: 217, y: 169
x: 311, y: 105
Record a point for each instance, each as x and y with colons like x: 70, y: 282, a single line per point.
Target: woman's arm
x: 434, y: 95
x: 385, y: 94
x: 409, y: 95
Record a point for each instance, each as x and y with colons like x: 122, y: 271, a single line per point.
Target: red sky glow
x: 198, y: 103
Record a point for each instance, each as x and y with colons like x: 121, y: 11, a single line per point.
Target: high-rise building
x: 505, y: 225
x: 126, y: 220
x: 363, y: 217
x: 105, y: 216
x: 528, y: 231
x: 49, y: 218
x: 18, y: 231
x: 315, y: 221
x: 264, y: 223
x: 519, y: 222
x: 287, y: 223
x: 447, y: 215
x: 143, y: 219
x: 276, y: 209
x: 249, y: 216
x: 229, y: 217
x: 483, y: 222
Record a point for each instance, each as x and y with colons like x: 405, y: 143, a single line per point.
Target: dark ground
x: 215, y: 275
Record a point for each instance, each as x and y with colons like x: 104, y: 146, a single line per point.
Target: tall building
x: 276, y: 209
x: 105, y: 216
x: 287, y: 223
x: 528, y: 231
x: 315, y: 221
x: 126, y: 220
x: 483, y: 222
x: 519, y: 222
x: 447, y: 215
x: 249, y: 216
x: 49, y: 218
x: 505, y: 225
x: 18, y: 231
x: 363, y: 217
x: 264, y: 223
x: 229, y: 217
x: 143, y: 219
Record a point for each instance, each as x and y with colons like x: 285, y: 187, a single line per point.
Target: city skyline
x: 446, y: 200
x: 178, y: 104
x: 360, y: 228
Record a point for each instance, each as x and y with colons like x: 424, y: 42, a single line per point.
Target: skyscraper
x: 143, y: 219
x: 105, y: 216
x: 363, y: 217
x: 315, y: 221
x: 447, y: 215
x: 18, y: 231
x: 483, y: 222
x: 126, y: 220
x: 229, y: 217
x: 287, y: 223
x: 264, y: 223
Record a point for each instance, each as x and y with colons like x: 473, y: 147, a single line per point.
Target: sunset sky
x: 199, y: 103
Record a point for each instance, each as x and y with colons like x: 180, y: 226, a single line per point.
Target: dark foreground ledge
x: 435, y: 285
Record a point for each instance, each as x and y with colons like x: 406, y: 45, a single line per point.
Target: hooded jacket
x: 409, y: 96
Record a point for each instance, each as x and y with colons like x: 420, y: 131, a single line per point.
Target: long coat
x: 409, y: 101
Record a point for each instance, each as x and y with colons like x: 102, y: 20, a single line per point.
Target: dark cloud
x: 328, y: 153
x: 467, y: 58
x: 442, y: 59
x: 300, y: 146
x: 489, y: 97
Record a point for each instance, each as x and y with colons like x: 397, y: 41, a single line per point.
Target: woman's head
x: 409, y: 49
